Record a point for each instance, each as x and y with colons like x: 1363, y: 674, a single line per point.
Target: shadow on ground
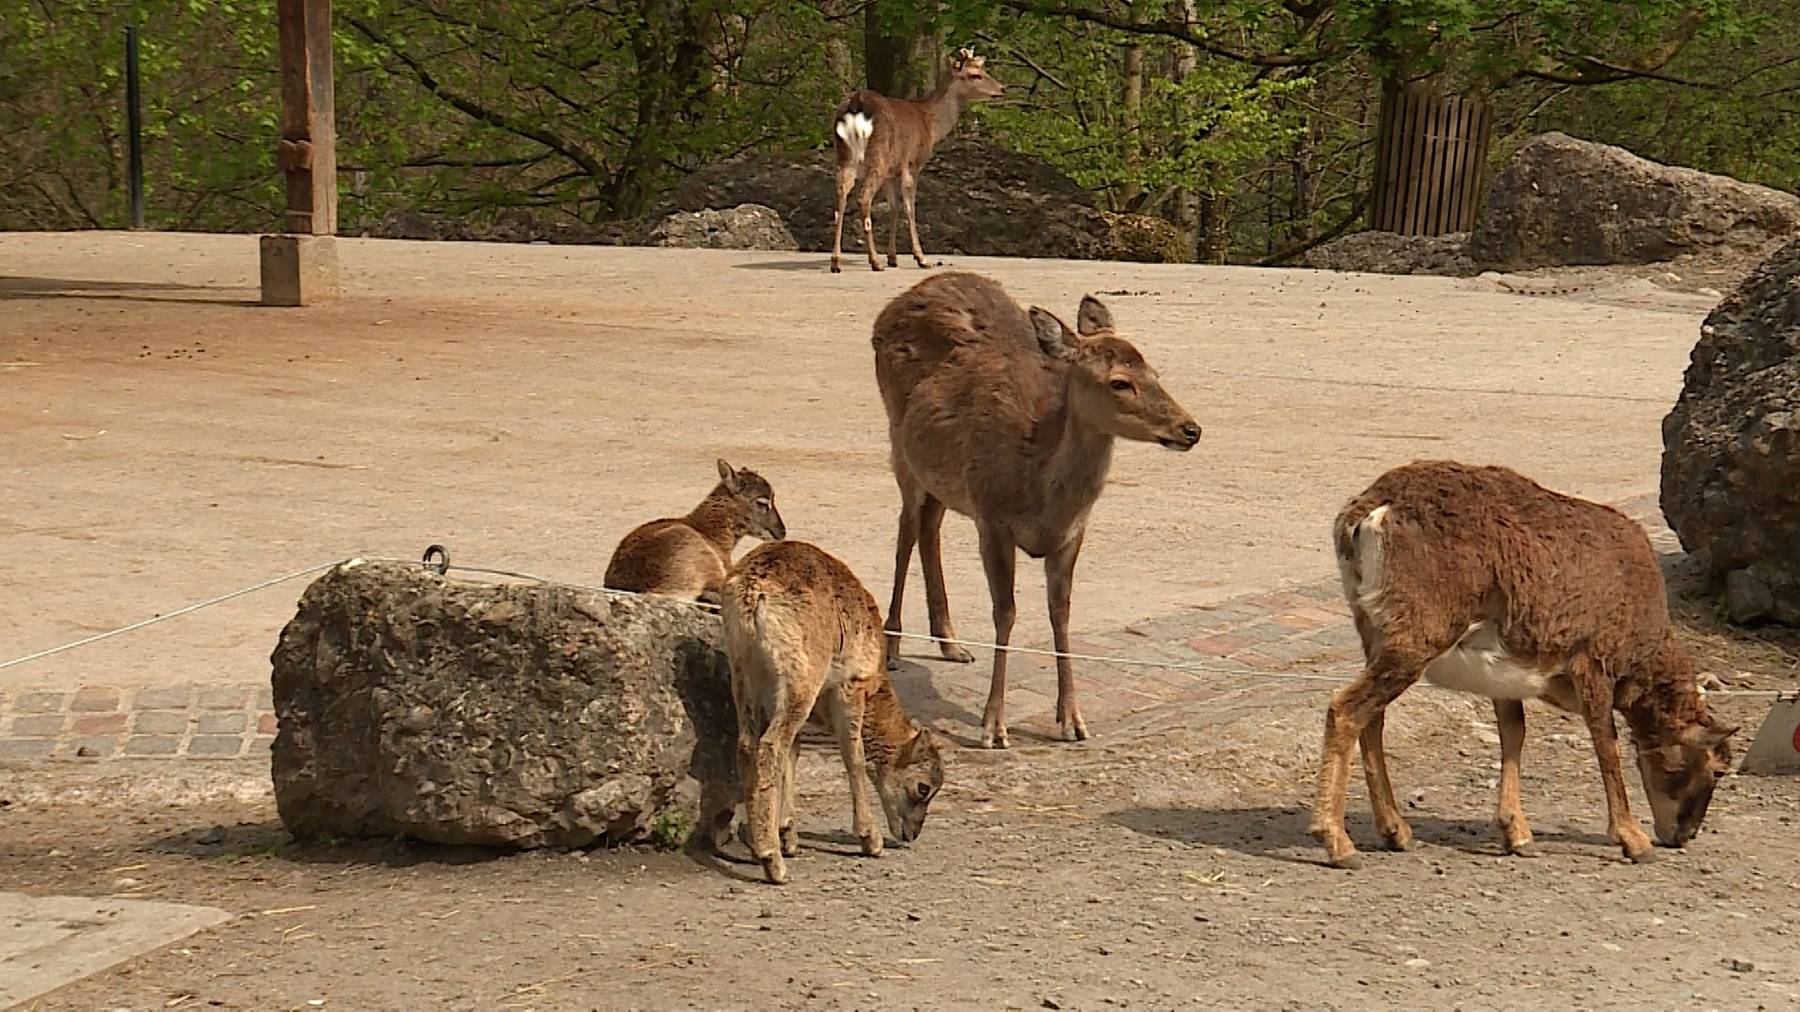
x: 19, y: 288
x: 270, y: 840
x: 1280, y: 832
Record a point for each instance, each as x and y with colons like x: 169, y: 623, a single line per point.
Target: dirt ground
x: 1171, y: 871
x: 164, y: 440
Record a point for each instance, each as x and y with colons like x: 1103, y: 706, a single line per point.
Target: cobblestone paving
x: 1256, y: 636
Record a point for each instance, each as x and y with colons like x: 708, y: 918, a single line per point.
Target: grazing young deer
x: 806, y: 644
x: 1479, y: 579
x: 689, y: 556
x: 1008, y: 418
x: 886, y: 141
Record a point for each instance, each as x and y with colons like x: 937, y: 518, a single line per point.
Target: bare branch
x: 568, y: 148
x: 1171, y: 28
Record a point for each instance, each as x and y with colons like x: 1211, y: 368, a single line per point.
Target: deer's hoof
x: 953, y: 652
x: 893, y: 664
x: 871, y: 845
x: 874, y: 266
x: 994, y: 738
x: 1645, y: 856
x: 790, y: 841
x: 1399, y: 839
x: 1348, y: 861
x: 836, y: 268
x: 775, y: 869
x: 1073, y: 728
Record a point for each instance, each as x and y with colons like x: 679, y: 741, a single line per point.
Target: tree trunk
x: 896, y: 64
x: 1133, y: 105
x: 1215, y: 226
x: 1306, y: 184
x: 669, y: 47
x: 1186, y: 212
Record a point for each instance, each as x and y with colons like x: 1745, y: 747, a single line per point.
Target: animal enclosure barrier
x: 1428, y: 162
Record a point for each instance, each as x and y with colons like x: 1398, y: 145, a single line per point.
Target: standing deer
x: 689, y: 556
x: 886, y: 141
x: 1008, y: 418
x: 805, y: 643
x: 1481, y: 580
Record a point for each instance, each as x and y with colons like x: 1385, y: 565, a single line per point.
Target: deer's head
x: 969, y: 79
x: 755, y: 502
x: 907, y: 786
x: 1679, y: 777
x: 1111, y: 387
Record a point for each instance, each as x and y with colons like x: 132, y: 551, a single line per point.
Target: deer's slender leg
x: 997, y: 558
x: 790, y: 839
x: 937, y: 599
x: 1515, y: 832
x: 892, y: 192
x: 847, y: 715
x: 846, y: 179
x: 1385, y: 678
x: 909, y: 188
x: 1059, y: 581
x: 766, y: 800
x: 1388, y: 820
x: 872, y: 183
x: 908, y: 535
x: 1595, y: 691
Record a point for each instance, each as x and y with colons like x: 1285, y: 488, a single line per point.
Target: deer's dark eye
x: 922, y: 791
x: 1122, y: 385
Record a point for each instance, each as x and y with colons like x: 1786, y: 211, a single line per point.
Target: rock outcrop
x: 975, y: 199
x: 1731, y: 446
x: 746, y: 226
x: 1567, y: 202
x: 511, y: 716
x: 1391, y: 253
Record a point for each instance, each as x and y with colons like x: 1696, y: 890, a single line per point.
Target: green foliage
x: 1263, y: 111
x: 670, y: 831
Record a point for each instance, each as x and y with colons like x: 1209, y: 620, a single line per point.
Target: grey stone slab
x: 1775, y: 751
x: 49, y: 941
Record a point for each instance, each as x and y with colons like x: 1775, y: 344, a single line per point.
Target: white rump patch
x: 1479, y: 664
x: 854, y: 130
x: 1364, y: 588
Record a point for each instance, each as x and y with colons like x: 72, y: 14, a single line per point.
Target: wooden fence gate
x: 1428, y: 163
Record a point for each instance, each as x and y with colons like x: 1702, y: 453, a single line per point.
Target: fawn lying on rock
x: 1479, y: 579
x: 806, y: 643
x: 689, y: 556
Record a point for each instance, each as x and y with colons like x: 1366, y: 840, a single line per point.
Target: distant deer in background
x: 1008, y: 418
x: 886, y: 141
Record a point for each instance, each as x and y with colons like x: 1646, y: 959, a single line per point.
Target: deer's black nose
x: 1191, y: 432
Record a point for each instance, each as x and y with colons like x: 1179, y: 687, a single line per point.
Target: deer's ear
x: 1094, y: 316
x: 1708, y: 735
x: 727, y: 475
x: 1053, y: 335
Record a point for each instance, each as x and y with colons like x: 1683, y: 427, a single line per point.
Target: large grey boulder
x: 514, y: 716
x: 746, y: 226
x: 1731, y: 446
x: 1562, y: 201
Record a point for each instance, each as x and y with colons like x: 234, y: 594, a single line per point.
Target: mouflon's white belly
x: 1479, y: 664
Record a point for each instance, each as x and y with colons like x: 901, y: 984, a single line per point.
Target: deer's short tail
x: 854, y: 128
x: 1358, y: 536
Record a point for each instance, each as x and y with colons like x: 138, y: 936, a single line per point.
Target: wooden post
x: 301, y: 267
x: 307, y: 153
